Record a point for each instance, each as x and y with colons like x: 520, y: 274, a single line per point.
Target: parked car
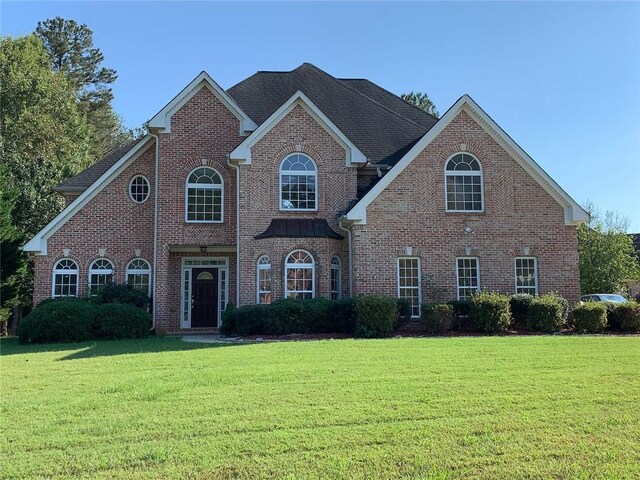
x: 603, y: 297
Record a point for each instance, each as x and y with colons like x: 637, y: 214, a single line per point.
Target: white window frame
x: 473, y: 173
x: 262, y: 265
x: 288, y: 266
x: 336, y: 268
x: 138, y: 271
x: 410, y: 288
x: 189, y: 263
x: 99, y: 271
x: 535, y: 273
x: 458, y: 287
x: 298, y: 172
x: 65, y: 271
x: 211, y: 186
x: 148, y: 189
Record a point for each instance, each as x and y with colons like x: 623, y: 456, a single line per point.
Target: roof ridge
x: 344, y: 85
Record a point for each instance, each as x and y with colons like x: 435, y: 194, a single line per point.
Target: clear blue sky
x: 563, y: 79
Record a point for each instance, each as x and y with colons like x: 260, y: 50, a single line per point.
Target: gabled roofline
x: 38, y: 244
x: 162, y: 119
x: 242, y: 153
x: 573, y: 213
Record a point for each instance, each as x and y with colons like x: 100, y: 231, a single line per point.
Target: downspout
x: 348, y: 230
x: 237, y: 228
x: 155, y: 233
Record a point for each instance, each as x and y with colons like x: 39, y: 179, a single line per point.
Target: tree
x: 71, y: 52
x: 422, y: 101
x: 44, y: 140
x: 607, y: 256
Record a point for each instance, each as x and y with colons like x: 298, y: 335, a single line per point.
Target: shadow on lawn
x: 107, y: 348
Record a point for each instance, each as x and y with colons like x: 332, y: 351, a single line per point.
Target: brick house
x: 300, y: 184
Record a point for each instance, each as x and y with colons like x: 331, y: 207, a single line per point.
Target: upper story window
x: 139, y: 189
x: 100, y: 273
x: 463, y: 184
x: 204, y: 194
x: 298, y: 183
x: 65, y: 279
x: 264, y: 279
x: 139, y: 275
x: 300, y: 271
x: 336, y: 278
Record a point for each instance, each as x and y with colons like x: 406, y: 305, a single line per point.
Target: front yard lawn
x: 487, y: 407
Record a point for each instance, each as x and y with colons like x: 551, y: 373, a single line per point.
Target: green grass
x: 486, y: 407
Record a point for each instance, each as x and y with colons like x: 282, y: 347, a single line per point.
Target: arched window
x: 204, y: 195
x: 138, y: 275
x: 463, y: 184
x: 299, y: 275
x: 139, y: 189
x: 264, y: 279
x: 65, y: 279
x: 100, y: 273
x: 298, y: 183
x: 336, y: 278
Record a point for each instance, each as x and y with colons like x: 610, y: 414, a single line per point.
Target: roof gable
x: 162, y: 119
x: 573, y: 212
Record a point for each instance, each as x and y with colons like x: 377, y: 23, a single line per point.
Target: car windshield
x: 613, y: 298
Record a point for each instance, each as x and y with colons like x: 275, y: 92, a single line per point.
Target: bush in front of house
x: 228, y: 324
x: 116, y: 321
x: 344, y: 315
x: 404, y: 312
x: 623, y: 316
x: 490, y: 312
x: 519, y: 304
x: 115, y: 293
x: 546, y: 313
x: 250, y: 320
x: 375, y: 316
x: 461, y: 318
x: 314, y: 315
x: 590, y: 317
x: 59, y: 320
x: 437, y: 318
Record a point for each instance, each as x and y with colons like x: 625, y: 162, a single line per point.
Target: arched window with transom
x: 138, y: 275
x: 100, y: 273
x: 298, y: 183
x: 299, y: 274
x: 65, y: 279
x: 463, y: 184
x: 264, y: 279
x: 204, y: 194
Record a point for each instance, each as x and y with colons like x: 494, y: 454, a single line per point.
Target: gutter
x: 155, y: 232
x: 348, y: 230
x: 237, y: 169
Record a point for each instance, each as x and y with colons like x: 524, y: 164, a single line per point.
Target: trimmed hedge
x: 461, y: 317
x: 546, y: 313
x: 623, y: 316
x: 519, y: 304
x: 120, y: 320
x: 375, y: 316
x: 59, y: 320
x: 115, y: 293
x: 404, y: 312
x: 590, y: 317
x: 437, y: 318
x: 490, y: 312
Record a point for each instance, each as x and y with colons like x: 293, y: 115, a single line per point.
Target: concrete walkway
x: 218, y: 339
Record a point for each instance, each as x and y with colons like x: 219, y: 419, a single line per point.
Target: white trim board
x: 573, y: 213
x: 162, y: 119
x: 38, y: 244
x: 242, y: 152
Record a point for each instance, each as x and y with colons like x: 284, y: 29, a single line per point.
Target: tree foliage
x: 422, y: 101
x: 607, y: 256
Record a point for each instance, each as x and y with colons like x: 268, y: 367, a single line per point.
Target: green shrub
x: 546, y: 314
x: 404, y: 312
x: 228, y: 324
x: 114, y: 293
x: 375, y: 316
x: 590, y: 317
x: 251, y: 319
x: 437, y: 318
x: 490, y: 312
x: 290, y: 315
x: 564, y: 304
x: 121, y: 320
x: 60, y: 320
x: 623, y: 316
x: 519, y: 304
x: 461, y: 318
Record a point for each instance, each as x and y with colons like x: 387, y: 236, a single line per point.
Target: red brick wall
x: 410, y: 212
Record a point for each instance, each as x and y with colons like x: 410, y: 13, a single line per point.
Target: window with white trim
x: 526, y: 275
x: 298, y: 183
x: 264, y: 279
x: 138, y: 275
x: 100, y: 273
x: 204, y: 194
x: 139, y: 189
x: 463, y: 184
x: 336, y: 278
x: 65, y: 279
x: 409, y: 282
x: 468, y: 273
x: 299, y: 274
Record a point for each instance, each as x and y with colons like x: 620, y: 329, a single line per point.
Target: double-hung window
x: 100, y: 273
x: 409, y: 282
x: 65, y: 279
x: 468, y: 272
x: 138, y: 275
x: 204, y: 194
x: 526, y: 275
x: 299, y: 275
x: 264, y: 279
x: 463, y: 184
x: 298, y: 183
